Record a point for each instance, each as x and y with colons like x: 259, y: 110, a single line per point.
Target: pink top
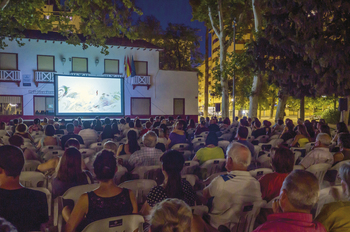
x: 290, y: 222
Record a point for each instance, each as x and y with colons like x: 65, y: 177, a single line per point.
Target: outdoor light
x: 63, y: 60
x: 97, y: 61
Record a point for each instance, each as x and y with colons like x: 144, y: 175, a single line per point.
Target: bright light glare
x: 12, y: 105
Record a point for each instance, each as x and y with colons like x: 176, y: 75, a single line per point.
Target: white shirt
x: 89, y: 136
x: 316, y: 156
x: 230, y: 192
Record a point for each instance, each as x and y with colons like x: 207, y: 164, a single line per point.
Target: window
x: 8, y: 61
x: 43, y: 105
x: 140, y: 106
x: 11, y: 105
x: 179, y: 106
x: 111, y: 66
x: 46, y: 63
x: 141, y: 67
x: 79, y: 65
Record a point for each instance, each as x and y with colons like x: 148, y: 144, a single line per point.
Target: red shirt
x: 270, y: 185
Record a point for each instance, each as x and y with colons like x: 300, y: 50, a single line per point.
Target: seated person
x: 210, y: 151
x: 334, y: 216
x: 178, y: 135
x: 230, y: 191
x: 25, y: 208
x: 302, y: 137
x: 63, y: 124
x: 320, y: 152
x: 148, y: 128
x: 3, y: 130
x: 28, y: 154
x: 77, y: 127
x: 70, y: 173
x: 36, y: 126
x: 70, y: 129
x: 108, y: 200
x: 49, y: 139
x: 191, y: 124
x: 148, y: 155
x: 107, y: 130
x: 241, y: 136
x: 341, y: 129
x: 58, y: 131
x: 288, y: 132
x: 344, y: 144
x: 214, y: 126
x: 21, y: 130
x: 201, y: 128
x: 173, y: 186
x: 299, y: 193
x: 89, y: 135
x: 278, y: 126
x: 130, y: 146
x: 258, y: 131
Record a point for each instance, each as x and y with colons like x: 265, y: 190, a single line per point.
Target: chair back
x: 264, y: 160
x: 207, y: 181
x: 325, y: 198
x: 336, y: 168
x: 30, y: 165
x: 319, y: 170
x: 75, y: 192
x: 198, y: 139
x: 226, y: 137
x: 32, y: 179
x: 52, y: 153
x: 45, y: 149
x: 198, y: 145
x: 180, y: 146
x: 127, y: 223
x: 308, y: 147
x: 149, y: 172
x: 87, y: 152
x: 192, y: 179
x: 200, y: 210
x: 140, y: 188
x: 48, y: 196
x: 224, y: 144
x: 257, y: 173
x: 189, y: 167
x: 263, y: 138
x: 212, y: 166
x: 119, y: 174
x: 125, y: 159
x: 96, y: 146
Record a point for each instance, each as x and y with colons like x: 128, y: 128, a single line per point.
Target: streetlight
x: 233, y: 81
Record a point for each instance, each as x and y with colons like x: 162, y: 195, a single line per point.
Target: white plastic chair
x: 149, y: 172
x: 140, y: 188
x: 180, y: 146
x: 263, y: 138
x: 226, y: 137
x: 52, y: 153
x: 212, y: 166
x: 125, y: 159
x: 274, y: 137
x: 97, y: 146
x: 30, y: 165
x: 45, y: 149
x: 119, y: 174
x: 198, y: 139
x: 297, y: 154
x: 48, y: 197
x: 127, y: 223
x: 289, y: 141
x: 336, y: 168
x: 192, y: 179
x: 257, y: 173
x: 319, y: 170
x: 189, y: 167
x: 198, y: 145
x: 204, y: 134
x: 224, y: 144
x: 87, y: 152
x: 264, y: 160
x: 32, y: 179
x: 308, y: 147
x: 325, y: 197
x: 200, y: 210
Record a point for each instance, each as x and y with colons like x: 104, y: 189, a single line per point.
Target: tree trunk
x: 282, y: 101
x: 3, y: 4
x: 272, y: 106
x: 335, y: 103
x: 253, y: 105
x: 224, y: 81
x: 302, y: 108
x: 206, y: 75
x: 260, y: 111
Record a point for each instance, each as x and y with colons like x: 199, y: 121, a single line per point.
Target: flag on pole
x: 133, y: 69
x: 125, y: 64
x: 128, y: 68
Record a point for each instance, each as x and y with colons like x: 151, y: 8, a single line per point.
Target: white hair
x: 324, y: 139
x: 234, y: 151
x: 150, y: 139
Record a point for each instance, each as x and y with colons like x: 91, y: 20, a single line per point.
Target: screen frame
x: 93, y: 113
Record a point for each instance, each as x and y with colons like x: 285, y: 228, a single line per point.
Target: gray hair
x: 150, y: 139
x: 302, y: 189
x: 344, y: 173
x: 234, y: 151
x: 324, y: 138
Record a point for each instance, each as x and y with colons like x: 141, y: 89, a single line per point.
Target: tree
x: 100, y: 20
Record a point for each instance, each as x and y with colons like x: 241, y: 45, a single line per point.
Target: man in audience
x: 77, y: 127
x: 70, y: 129
x: 299, y: 193
x: 89, y: 135
x: 258, y: 131
x: 148, y: 128
x: 148, y: 155
x: 28, y: 153
x: 201, y: 128
x: 63, y: 124
x: 156, y: 122
x: 213, y: 126
x: 227, y: 193
x: 58, y: 131
x: 26, y: 209
x: 241, y: 136
x: 320, y: 153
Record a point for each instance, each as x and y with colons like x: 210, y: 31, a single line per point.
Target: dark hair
x: 86, y: 124
x: 325, y: 129
x: 151, y: 119
x: 303, y: 131
x: 55, y: 119
x: 257, y: 123
x: 203, y: 123
x: 122, y: 121
x: 345, y: 140
x: 21, y: 127
x: 105, y: 165
x: 227, y: 121
x: 107, y: 132
x: 36, y: 121
x: 243, y: 132
x: 70, y: 168
x: 290, y: 126
x: 127, y: 120
x: 280, y: 122
x: 11, y: 160
x: 266, y: 123
x: 212, y: 138
x: 131, y: 124
x: 283, y: 160
x: 180, y: 125
x: 16, y: 140
x: 148, y: 124
x: 72, y: 142
x: 132, y: 141
x: 107, y: 121
x: 2, y: 125
x: 70, y: 127
x: 164, y: 128
x: 173, y: 162
x: 63, y: 121
x: 49, y: 130
x: 191, y: 123
x: 138, y: 123
x: 342, y: 128
x: 115, y: 129
x: 15, y: 121
x: 171, y: 118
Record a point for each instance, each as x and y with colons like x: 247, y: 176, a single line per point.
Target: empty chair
x: 189, y: 167
x: 226, y: 137
x: 181, y: 146
x: 223, y: 144
x: 192, y: 179
x: 48, y: 196
x: 52, y: 153
x: 32, y: 179
x: 198, y: 139
x: 264, y: 160
x: 257, y: 173
x: 212, y: 166
x: 50, y: 148
x: 319, y: 170
x: 141, y: 188
x: 96, y: 146
x: 30, y: 165
x: 127, y: 223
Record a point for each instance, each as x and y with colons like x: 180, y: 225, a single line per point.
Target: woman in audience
x: 288, y: 132
x: 335, y: 216
x: 278, y: 127
x: 115, y: 129
x: 107, y: 132
x: 138, y: 125
x: 310, y: 129
x: 131, y: 145
x: 58, y: 131
x: 108, y: 200
x: 70, y: 173
x: 36, y: 126
x: 173, y: 186
x: 3, y: 130
x: 49, y: 139
x: 28, y: 154
x: 98, y: 125
x: 341, y: 129
x: 267, y: 126
x: 178, y: 135
x: 210, y: 151
x: 191, y: 124
x: 21, y: 130
x: 302, y: 137
x: 325, y: 129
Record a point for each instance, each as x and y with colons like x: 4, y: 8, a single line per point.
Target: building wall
x: 165, y: 85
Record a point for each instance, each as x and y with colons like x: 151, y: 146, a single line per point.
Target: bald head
x: 240, y: 157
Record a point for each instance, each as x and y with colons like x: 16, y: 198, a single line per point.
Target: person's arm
x: 168, y: 143
x: 120, y: 148
x: 78, y: 213
x: 146, y: 209
x: 133, y: 202
x: 206, y: 193
x: 295, y: 141
x: 50, y: 164
x: 195, y: 158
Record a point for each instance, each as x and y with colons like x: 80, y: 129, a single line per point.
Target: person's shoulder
x: 225, y: 177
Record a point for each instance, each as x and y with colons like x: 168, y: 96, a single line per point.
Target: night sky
x: 172, y: 11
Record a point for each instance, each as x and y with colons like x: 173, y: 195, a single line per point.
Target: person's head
x: 148, y: 124
x: 302, y: 130
x: 180, y: 125
x: 325, y: 129
x: 300, y: 121
x: 207, y: 119
x: 138, y: 123
x: 280, y: 122
x: 299, y: 192
x: 75, y: 123
x: 72, y: 142
x: 46, y: 120
x: 132, y: 141
x: 16, y: 140
x: 131, y: 124
x: 56, y: 126
x: 105, y: 165
x: 149, y: 139
x: 22, y: 128
x: 212, y: 139
x: 227, y: 121
x: 266, y: 123
x: 11, y: 162
x: 344, y: 174
x: 342, y: 128
x: 257, y: 123
x: 213, y: 121
x: 37, y: 121
x: 20, y: 120
x: 151, y: 119
x: 98, y: 123
x: 344, y: 141
x: 191, y: 123
x: 122, y: 121
x: 2, y: 126
x: 236, y: 119
x: 107, y: 121
x: 323, y: 140
x: 70, y: 166
x: 171, y: 118
x: 172, y: 164
x: 203, y: 123
x: 322, y: 121
x: 15, y: 121
x: 290, y: 126
x: 242, y: 133
x: 79, y: 119
x: 70, y: 127
x: 55, y: 119
x: 49, y: 130
x: 283, y: 160
x: 170, y: 215
x: 238, y: 157
x: 111, y: 146
x: 86, y: 124
x: 127, y: 120
x: 63, y: 121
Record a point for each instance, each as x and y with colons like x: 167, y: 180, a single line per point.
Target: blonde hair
x: 111, y: 146
x: 171, y: 215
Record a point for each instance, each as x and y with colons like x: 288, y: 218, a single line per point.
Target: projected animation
x: 88, y: 95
